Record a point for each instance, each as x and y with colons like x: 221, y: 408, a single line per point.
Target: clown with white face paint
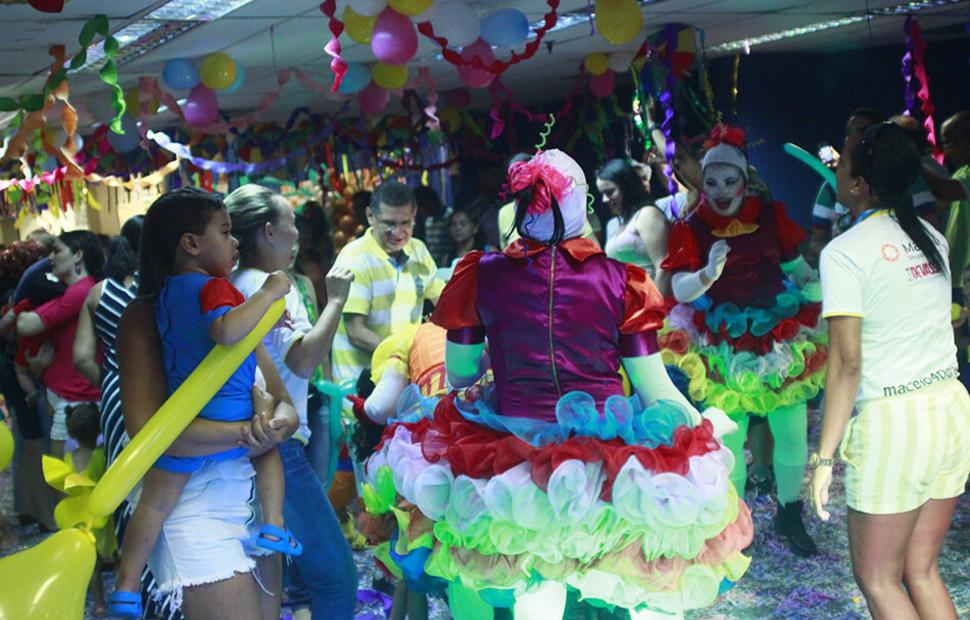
x: 749, y: 309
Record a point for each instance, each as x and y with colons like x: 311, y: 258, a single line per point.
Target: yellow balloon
x: 134, y: 105
x: 597, y: 63
x: 49, y: 581
x: 450, y: 119
x: 217, y: 71
x: 389, y: 76
x: 173, y: 416
x: 410, y: 7
x: 6, y: 446
x: 618, y: 21
x: 359, y: 27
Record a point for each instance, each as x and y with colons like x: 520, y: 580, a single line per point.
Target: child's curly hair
x: 365, y: 437
x: 16, y: 258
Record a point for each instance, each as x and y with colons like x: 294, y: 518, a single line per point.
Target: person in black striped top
x: 98, y: 324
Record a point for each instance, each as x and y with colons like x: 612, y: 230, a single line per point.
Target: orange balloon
x: 340, y: 238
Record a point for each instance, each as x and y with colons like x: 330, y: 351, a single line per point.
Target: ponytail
x: 889, y: 161
x: 522, y: 201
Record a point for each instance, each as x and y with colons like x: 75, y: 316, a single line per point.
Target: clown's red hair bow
x: 547, y: 181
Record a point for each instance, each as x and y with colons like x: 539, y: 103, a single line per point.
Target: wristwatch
x: 815, y: 460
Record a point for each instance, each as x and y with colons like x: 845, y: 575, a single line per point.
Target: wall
x: 806, y: 99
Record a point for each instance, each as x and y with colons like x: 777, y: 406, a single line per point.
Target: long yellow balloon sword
x: 49, y: 581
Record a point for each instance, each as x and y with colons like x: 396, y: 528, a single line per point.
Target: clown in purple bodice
x: 749, y: 310
x: 551, y: 475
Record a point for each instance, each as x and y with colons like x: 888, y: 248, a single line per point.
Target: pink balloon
x: 201, y: 106
x: 602, y: 85
x: 373, y: 99
x: 459, y: 98
x: 473, y: 76
x: 394, y: 41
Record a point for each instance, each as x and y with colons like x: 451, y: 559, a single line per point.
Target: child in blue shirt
x: 196, y: 309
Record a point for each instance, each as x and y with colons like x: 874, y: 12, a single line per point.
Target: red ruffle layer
x: 481, y: 452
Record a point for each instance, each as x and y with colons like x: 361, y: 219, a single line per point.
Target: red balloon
x: 472, y: 76
x: 373, y: 99
x: 603, y: 85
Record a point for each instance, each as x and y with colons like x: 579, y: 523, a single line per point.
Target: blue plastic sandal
x: 125, y: 605
x: 285, y: 543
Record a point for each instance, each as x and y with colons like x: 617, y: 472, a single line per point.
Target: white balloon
x: 368, y: 8
x: 430, y: 15
x: 458, y: 23
x: 620, y: 61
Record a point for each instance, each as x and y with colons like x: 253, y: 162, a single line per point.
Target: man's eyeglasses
x: 408, y: 225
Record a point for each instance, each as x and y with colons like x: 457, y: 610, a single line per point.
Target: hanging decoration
x: 498, y: 89
x: 97, y: 25
x: 670, y: 35
x: 735, y: 84
x: 914, y: 67
x: 338, y: 66
x: 496, y: 67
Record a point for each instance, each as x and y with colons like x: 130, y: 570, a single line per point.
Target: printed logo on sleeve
x: 890, y: 252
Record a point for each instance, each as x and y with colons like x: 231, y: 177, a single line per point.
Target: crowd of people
x: 536, y: 399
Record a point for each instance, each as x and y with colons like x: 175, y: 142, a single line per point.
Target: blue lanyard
x: 866, y: 215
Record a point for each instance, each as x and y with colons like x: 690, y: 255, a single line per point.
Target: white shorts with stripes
x: 902, y: 451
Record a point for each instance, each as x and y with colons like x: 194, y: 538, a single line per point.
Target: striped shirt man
x: 388, y: 290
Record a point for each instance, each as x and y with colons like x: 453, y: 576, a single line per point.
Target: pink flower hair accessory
x: 547, y: 180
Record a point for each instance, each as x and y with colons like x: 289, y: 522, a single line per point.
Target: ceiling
x: 266, y: 36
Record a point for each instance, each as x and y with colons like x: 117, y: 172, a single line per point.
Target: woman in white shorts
x: 204, y: 557
x: 886, y: 295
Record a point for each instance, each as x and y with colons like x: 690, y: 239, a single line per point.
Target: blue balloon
x: 235, y: 86
x: 180, y: 74
x: 355, y: 79
x: 127, y: 141
x: 505, y: 28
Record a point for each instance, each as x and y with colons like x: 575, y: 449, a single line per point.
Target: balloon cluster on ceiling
x: 391, y: 28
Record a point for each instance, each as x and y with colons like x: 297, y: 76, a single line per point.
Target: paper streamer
x: 667, y: 101
x: 338, y: 65
x: 431, y: 110
x: 496, y: 67
x: 220, y: 167
x: 914, y: 66
x: 97, y: 25
x: 497, y: 88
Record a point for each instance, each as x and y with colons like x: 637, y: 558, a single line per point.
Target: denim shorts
x: 208, y: 537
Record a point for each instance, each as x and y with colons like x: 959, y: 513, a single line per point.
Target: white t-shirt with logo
x: 876, y: 272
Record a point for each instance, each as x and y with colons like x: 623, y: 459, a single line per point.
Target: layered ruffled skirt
x: 750, y: 360
x: 630, y: 506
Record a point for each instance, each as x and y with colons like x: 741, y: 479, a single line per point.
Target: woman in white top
x: 886, y: 295
x: 264, y: 224
x: 638, y: 232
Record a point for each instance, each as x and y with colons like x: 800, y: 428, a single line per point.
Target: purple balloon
x: 201, y: 106
x: 394, y: 41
